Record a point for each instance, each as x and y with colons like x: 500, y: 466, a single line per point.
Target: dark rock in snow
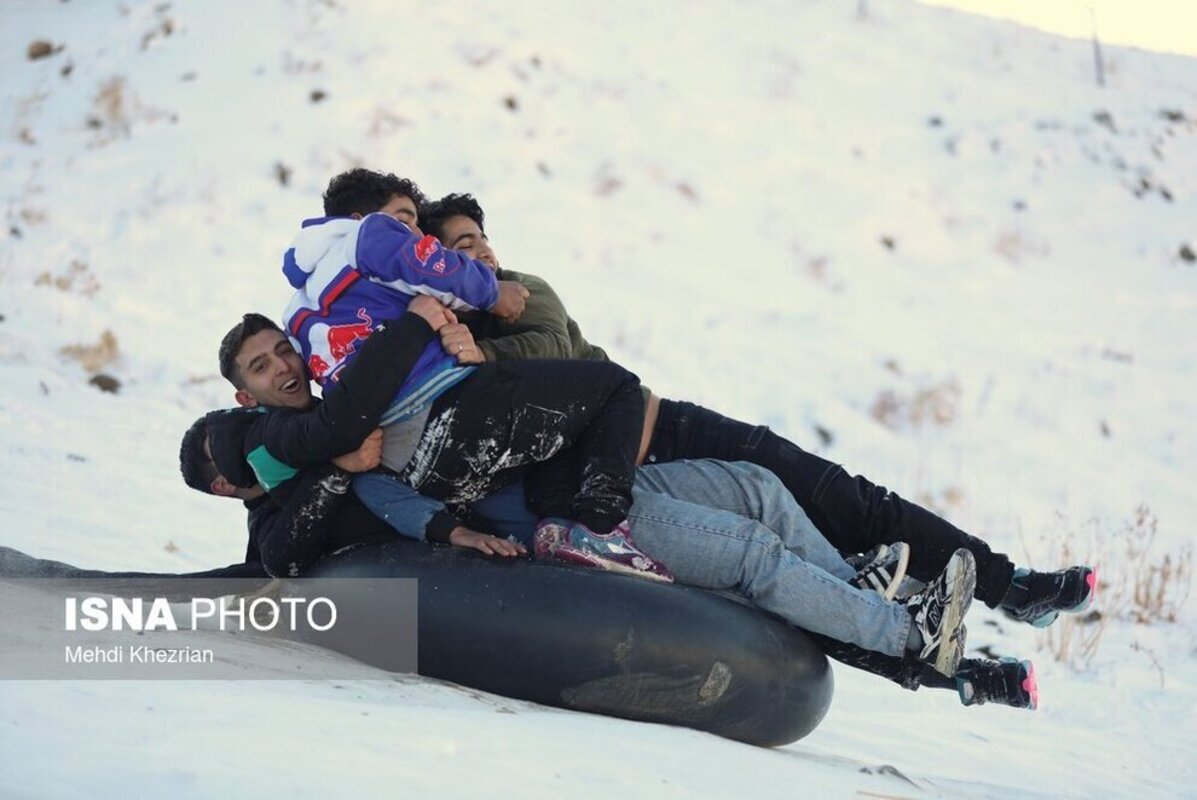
x: 40, y: 48
x: 105, y: 383
x: 826, y: 437
x: 1105, y: 119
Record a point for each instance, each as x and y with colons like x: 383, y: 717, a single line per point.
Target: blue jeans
x: 734, y: 526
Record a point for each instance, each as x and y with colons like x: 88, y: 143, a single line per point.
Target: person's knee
x: 760, y: 488
x: 762, y: 551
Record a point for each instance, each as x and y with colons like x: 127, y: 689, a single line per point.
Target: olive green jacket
x: 544, y: 330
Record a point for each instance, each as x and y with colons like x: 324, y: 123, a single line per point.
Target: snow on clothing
x: 318, y: 517
x: 487, y: 431
x: 349, y: 275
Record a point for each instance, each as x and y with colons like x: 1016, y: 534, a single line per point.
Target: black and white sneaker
x: 1039, y: 597
x: 1007, y: 681
x: 882, y: 569
x: 938, y: 613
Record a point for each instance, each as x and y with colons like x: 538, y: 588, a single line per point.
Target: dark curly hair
x: 364, y: 191
x: 197, y: 468
x: 434, y: 213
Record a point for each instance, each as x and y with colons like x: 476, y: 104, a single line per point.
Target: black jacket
x: 310, y: 510
x: 321, y: 516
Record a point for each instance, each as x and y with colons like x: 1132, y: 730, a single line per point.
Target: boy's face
x: 220, y: 484
x: 463, y: 234
x: 404, y: 210
x: 272, y: 372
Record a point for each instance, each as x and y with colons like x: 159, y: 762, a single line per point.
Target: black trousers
x: 853, y: 513
x: 489, y: 430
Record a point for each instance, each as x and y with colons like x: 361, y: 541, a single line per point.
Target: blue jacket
x: 351, y: 275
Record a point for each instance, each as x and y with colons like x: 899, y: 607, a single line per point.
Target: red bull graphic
x: 425, y: 248
x: 342, y: 339
x: 332, y: 344
x: 317, y: 367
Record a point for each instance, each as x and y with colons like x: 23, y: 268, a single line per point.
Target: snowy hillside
x: 922, y: 243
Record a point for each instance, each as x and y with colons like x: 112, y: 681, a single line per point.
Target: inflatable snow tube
x: 561, y: 636
x: 592, y: 641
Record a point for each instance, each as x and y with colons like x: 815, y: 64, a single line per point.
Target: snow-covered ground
x: 923, y: 243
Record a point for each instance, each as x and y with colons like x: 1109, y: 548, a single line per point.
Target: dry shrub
x: 1074, y: 638
x: 162, y: 29
x: 934, y: 404
x: 384, y: 122
x: 1017, y: 247
x: 25, y: 115
x: 116, y: 107
x: 112, y: 107
x: 1157, y: 587
x: 94, y: 357
x: 296, y: 65
x: 1136, y: 584
x: 76, y: 278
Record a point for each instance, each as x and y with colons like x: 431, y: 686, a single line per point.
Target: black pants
x: 906, y: 671
x: 488, y: 430
x: 853, y: 513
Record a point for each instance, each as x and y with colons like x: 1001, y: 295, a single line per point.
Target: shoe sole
x: 568, y: 554
x: 1030, y: 685
x: 899, y: 573
x: 961, y: 587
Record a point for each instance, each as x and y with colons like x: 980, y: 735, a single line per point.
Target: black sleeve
x: 288, y: 537
x: 353, y: 406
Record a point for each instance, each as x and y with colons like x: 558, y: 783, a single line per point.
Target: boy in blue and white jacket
x: 458, y: 433
x: 350, y: 275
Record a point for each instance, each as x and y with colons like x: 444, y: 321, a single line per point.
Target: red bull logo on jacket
x: 426, y: 247
x: 333, y: 344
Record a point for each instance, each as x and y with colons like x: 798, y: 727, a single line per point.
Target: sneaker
x: 1007, y: 681
x: 614, y: 551
x: 938, y: 613
x: 882, y: 569
x: 550, y: 533
x: 1039, y: 597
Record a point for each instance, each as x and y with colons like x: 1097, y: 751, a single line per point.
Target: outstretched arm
x: 544, y: 330
x: 390, y: 253
x: 353, y: 406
